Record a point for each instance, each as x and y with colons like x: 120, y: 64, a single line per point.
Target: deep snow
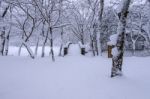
x: 73, y: 77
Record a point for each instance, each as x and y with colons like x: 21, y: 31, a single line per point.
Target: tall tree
x: 118, y: 50
x: 100, y: 22
x: 4, y: 11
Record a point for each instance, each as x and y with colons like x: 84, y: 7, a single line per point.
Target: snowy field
x: 13, y: 51
x: 73, y: 77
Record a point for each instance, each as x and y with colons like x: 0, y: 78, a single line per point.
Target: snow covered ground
x: 13, y: 51
x: 73, y: 77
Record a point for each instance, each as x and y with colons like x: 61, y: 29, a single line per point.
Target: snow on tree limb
x: 113, y: 39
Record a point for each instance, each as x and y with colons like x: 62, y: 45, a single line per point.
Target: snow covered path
x: 73, y: 77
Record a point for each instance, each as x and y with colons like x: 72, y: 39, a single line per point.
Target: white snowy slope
x: 73, y: 77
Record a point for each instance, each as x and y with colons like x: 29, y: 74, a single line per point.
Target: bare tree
x: 2, y: 27
x: 48, y: 10
x: 28, y: 25
x: 7, y: 35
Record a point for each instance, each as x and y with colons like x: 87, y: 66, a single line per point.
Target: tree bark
x: 51, y: 44
x: 61, y: 46
x: 100, y: 23
x: 118, y: 59
x: 43, y: 47
x: 36, y: 48
x: 2, y: 42
x: 7, y: 43
x: 2, y: 33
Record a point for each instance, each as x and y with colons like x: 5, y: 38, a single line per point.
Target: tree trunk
x: 99, y: 40
x: 7, y: 44
x: 36, y: 48
x: 92, y: 45
x: 61, y: 46
x: 95, y: 38
x: 96, y: 47
x: 60, y: 50
x: 29, y: 50
x: 2, y: 33
x: 118, y: 59
x: 51, y: 44
x: 19, y: 51
x: 2, y: 42
x: 44, y: 43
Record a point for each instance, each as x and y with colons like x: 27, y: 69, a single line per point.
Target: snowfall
x: 72, y: 77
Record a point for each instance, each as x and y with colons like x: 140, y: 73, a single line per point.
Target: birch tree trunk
x: 118, y: 58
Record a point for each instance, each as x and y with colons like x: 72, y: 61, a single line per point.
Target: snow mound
x: 115, y: 51
x: 113, y: 39
x: 74, y: 50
